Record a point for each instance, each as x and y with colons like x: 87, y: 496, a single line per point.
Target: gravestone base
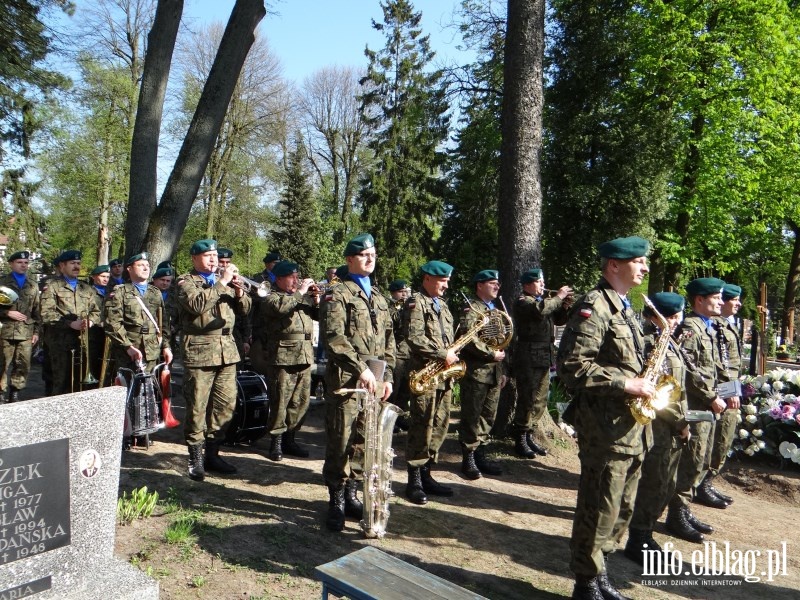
x: 59, y: 483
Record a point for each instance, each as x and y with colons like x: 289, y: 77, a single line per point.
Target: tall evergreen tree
x: 299, y: 217
x: 406, y: 106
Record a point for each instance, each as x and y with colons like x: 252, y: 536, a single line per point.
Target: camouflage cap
x: 531, y: 276
x: 68, y: 255
x: 284, y: 268
x: 224, y: 252
x: 163, y: 272
x: 165, y: 265
x: 100, y: 269
x: 668, y: 303
x: 704, y: 286
x: 358, y: 244
x: 485, y: 275
x: 202, y: 246
x: 135, y: 257
x: 436, y: 268
x: 730, y: 291
x: 397, y: 285
x: 624, y: 248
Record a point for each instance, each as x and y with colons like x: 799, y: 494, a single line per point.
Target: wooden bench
x: 369, y: 574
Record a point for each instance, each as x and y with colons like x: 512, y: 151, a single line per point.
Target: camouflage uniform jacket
x: 534, y: 330
x: 355, y: 328
x: 703, y: 348
x: 478, y: 356
x: 599, y: 350
x: 127, y: 324
x: 100, y: 299
x: 427, y: 336
x: 396, y: 310
x: 61, y: 306
x: 207, y: 316
x: 27, y: 304
x: 288, y: 328
x: 733, y: 346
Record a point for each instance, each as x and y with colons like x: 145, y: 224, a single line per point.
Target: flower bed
x: 770, y: 415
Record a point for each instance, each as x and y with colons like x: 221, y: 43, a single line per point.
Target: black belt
x: 293, y: 336
x: 224, y: 331
x: 137, y: 329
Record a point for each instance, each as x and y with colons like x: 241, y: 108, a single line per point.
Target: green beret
x: 358, y: 244
x: 22, y: 254
x: 704, y: 286
x: 165, y: 265
x: 624, y: 248
x: 163, y: 272
x: 202, y: 246
x: 68, y: 255
x: 341, y: 272
x: 485, y: 275
x: 224, y: 252
x: 135, y: 257
x: 531, y: 276
x: 730, y: 291
x: 397, y: 285
x: 115, y: 262
x: 668, y: 303
x: 436, y: 268
x: 284, y: 268
x: 272, y: 257
x: 100, y: 269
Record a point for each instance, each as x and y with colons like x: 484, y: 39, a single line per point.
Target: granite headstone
x: 59, y: 480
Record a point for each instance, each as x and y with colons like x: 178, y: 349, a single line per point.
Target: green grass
x: 139, y: 505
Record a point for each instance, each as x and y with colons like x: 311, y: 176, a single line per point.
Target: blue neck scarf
x: 20, y: 279
x: 141, y: 288
x: 118, y: 280
x: 209, y: 278
x: 489, y: 305
x: 708, y: 322
x: 436, y: 306
x: 164, y: 295
x: 363, y: 282
x: 100, y: 290
x: 72, y: 283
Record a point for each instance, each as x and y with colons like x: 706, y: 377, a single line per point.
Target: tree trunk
x: 791, y: 283
x: 520, y: 202
x: 146, y: 130
x: 170, y: 216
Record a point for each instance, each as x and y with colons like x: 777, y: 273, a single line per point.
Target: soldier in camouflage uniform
x: 429, y: 334
x: 116, y: 269
x: 357, y: 327
x: 242, y: 329
x: 134, y: 332
x: 68, y: 307
x: 705, y: 298
x: 670, y: 434
x: 288, y: 316
x: 480, y: 387
x: 164, y: 280
x: 20, y: 327
x: 725, y: 431
x: 98, y: 279
x: 207, y: 308
x: 600, y: 358
x: 535, y: 318
x: 400, y: 292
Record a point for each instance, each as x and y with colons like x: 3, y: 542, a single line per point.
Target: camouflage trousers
x: 65, y: 366
x: 210, y: 396
x: 532, y: 388
x: 724, y: 433
x: 430, y: 418
x: 657, y: 483
x: 16, y: 357
x: 289, y: 394
x: 606, y: 495
x: 695, y: 458
x: 478, y: 411
x: 344, y: 449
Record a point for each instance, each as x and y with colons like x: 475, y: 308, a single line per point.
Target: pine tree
x: 406, y: 106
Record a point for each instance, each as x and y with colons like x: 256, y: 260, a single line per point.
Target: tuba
x: 668, y: 390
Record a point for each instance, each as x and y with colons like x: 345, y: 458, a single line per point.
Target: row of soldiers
x: 632, y: 468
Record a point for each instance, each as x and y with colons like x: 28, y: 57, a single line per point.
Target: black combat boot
x: 335, y: 519
x: 430, y: 486
x: 607, y: 589
x: 196, y: 470
x: 679, y: 526
x: 353, y: 507
x: 291, y: 447
x: 214, y: 461
x: 414, y: 490
x: 13, y: 394
x: 709, y: 478
x: 522, y: 448
x: 638, y: 542
x: 486, y: 466
x: 586, y: 588
x: 468, y: 466
x: 697, y: 523
x: 703, y: 495
x: 538, y: 448
x: 275, y: 450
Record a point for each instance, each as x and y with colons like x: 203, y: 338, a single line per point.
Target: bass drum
x: 249, y: 422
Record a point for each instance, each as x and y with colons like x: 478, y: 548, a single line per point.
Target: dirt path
x: 261, y: 533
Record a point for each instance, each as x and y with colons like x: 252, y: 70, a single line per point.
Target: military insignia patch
x: 411, y: 304
x: 586, y: 312
x: 328, y: 296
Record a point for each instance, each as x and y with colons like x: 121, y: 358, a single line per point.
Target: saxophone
x: 667, y: 388
x: 379, y: 418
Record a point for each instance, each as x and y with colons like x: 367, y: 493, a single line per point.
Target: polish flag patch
x: 586, y: 312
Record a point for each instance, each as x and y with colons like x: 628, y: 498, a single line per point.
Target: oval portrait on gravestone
x: 90, y: 463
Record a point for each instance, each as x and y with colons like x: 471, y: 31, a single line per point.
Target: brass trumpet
x: 247, y: 285
x: 84, y: 364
